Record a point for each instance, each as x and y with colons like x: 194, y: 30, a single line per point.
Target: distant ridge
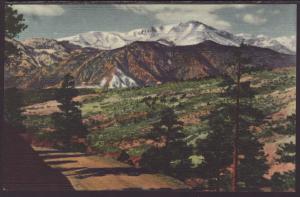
x: 42, y: 63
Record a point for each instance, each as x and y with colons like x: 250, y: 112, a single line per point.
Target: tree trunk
x: 235, y: 134
x: 218, y: 183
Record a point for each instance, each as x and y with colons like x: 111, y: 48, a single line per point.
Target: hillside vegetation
x: 119, y: 119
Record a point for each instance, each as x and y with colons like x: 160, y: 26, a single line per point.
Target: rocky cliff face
x: 42, y: 63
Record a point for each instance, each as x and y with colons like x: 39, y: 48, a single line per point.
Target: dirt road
x: 87, y: 172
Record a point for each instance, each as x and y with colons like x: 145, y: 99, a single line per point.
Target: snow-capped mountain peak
x: 283, y: 44
x: 288, y: 41
x: 182, y: 34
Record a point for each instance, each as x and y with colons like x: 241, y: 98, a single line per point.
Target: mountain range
x: 182, y: 34
x: 140, y: 57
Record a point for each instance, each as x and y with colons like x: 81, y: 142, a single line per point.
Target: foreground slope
x: 119, y: 119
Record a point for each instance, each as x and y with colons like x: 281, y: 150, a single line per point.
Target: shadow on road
x: 60, y: 162
x: 47, y: 151
x: 70, y: 169
x: 62, y: 156
x: 130, y: 171
x: 23, y: 170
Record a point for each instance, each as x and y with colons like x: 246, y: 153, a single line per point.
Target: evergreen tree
x: 14, y: 22
x: 230, y: 124
x: 68, y: 122
x: 172, y: 157
x: 287, y: 154
x: 250, y: 158
x: 217, y: 148
x: 13, y: 26
x: 284, y: 181
x: 12, y: 107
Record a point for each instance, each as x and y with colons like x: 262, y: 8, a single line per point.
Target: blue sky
x: 55, y: 21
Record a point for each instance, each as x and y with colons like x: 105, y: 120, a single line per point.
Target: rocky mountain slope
x: 29, y: 59
x: 42, y: 63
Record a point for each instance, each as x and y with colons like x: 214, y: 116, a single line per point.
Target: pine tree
x: 13, y: 103
x: 13, y: 26
x: 231, y: 140
x: 172, y: 157
x: 14, y: 22
x: 68, y: 122
x: 217, y: 148
x: 250, y: 158
x: 287, y: 152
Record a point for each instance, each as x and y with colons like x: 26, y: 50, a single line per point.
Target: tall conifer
x: 68, y: 122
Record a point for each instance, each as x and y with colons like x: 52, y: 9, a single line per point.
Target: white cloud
x: 254, y: 19
x: 40, y: 10
x: 176, y: 13
x: 240, y: 6
x: 260, y: 11
x: 275, y: 12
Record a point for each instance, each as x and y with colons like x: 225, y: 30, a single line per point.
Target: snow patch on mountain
x: 103, y: 82
x: 120, y: 80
